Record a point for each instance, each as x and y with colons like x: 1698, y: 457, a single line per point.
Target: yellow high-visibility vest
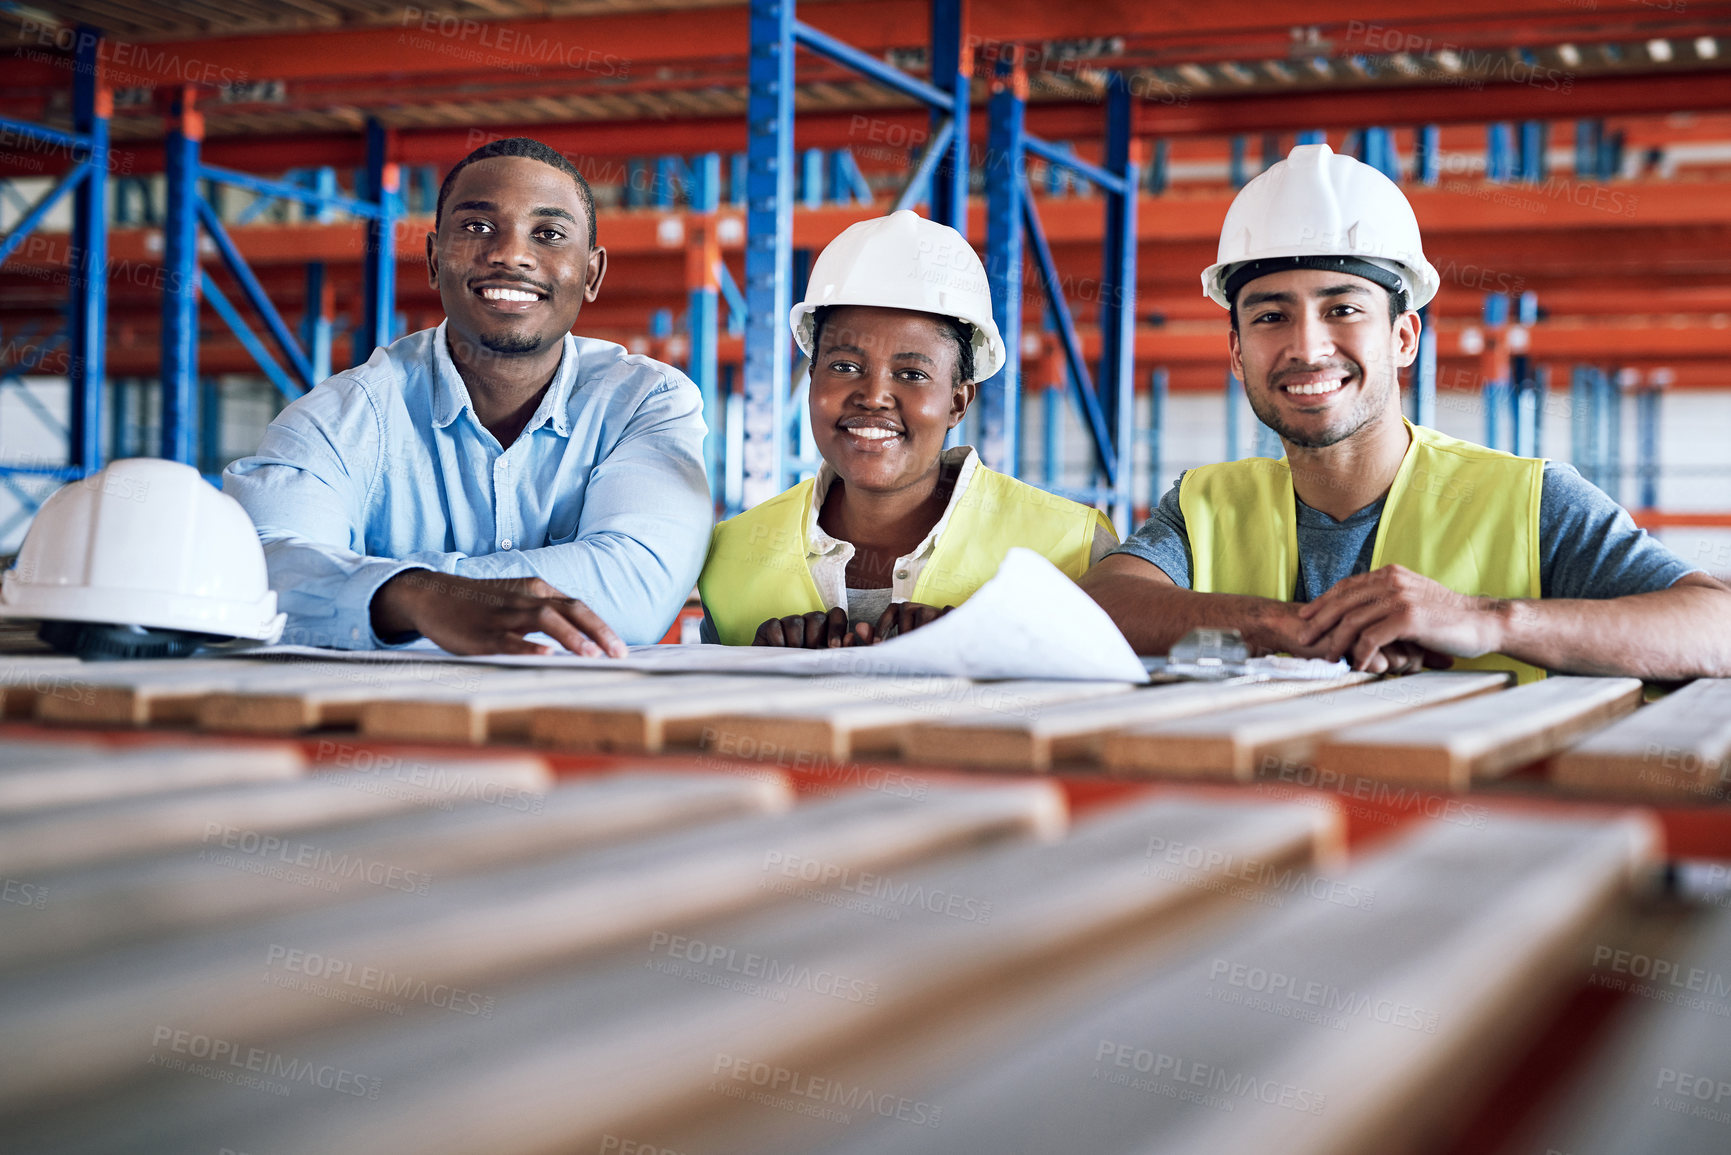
x: 1458, y: 513
x: 757, y: 566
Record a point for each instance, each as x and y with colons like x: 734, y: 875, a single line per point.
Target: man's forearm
x: 1152, y: 613
x: 1682, y: 632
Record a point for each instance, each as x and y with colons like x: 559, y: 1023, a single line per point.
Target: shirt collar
x: 451, y: 396
x: 819, y: 543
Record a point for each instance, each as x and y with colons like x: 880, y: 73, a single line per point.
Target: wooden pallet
x: 72, y: 1026
x: 1042, y: 737
x: 39, y: 775
x: 1235, y: 744
x: 1676, y: 748
x: 862, y: 725
x: 1451, y: 747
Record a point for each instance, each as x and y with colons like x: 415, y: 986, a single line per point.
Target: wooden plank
x: 845, y: 729
x: 1360, y: 1020
x: 26, y: 678
x: 1661, y: 1082
x: 37, y: 775
x: 67, y: 1027
x: 1452, y: 746
x: 1678, y: 747
x: 567, y: 1062
x: 1234, y: 744
x: 665, y: 718
x: 1076, y: 731
x: 158, y: 690
x: 292, y: 706
x: 237, y: 874
x: 506, y: 714
x: 35, y: 841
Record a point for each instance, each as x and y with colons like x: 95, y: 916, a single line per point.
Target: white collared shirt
x: 828, y: 557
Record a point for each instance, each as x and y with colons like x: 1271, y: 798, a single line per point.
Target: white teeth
x: 873, y: 433
x: 1319, y: 387
x: 508, y: 295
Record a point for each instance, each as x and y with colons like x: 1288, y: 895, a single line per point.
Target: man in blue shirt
x: 496, y: 476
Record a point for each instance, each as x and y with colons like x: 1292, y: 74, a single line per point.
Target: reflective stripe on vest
x: 1458, y: 513
x: 757, y: 566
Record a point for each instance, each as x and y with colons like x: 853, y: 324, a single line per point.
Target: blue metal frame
x: 308, y: 355
x: 1000, y: 395
x: 768, y: 249
x: 1012, y: 225
x: 770, y: 187
x: 86, y: 180
x: 1647, y: 444
x: 949, y: 146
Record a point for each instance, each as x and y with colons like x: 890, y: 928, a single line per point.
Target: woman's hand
x: 903, y: 617
x: 814, y: 631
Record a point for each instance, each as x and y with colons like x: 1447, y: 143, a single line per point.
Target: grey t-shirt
x: 1589, y: 546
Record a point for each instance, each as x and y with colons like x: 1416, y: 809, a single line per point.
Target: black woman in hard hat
x: 894, y: 530
x: 1375, y: 539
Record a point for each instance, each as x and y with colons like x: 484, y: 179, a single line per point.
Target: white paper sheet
x: 1029, y: 621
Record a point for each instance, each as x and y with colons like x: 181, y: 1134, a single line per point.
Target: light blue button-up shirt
x: 385, y: 468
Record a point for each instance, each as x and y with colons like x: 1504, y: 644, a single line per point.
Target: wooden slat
x: 1451, y: 746
x: 1661, y: 1083
x: 41, y: 840
x: 875, y: 726
x: 163, y: 691
x: 664, y: 718
x: 37, y: 775
x: 1359, y: 1020
x: 240, y: 874
x: 568, y: 1062
x: 1677, y: 747
x: 1075, y: 731
x: 506, y: 714
x: 70, y: 1026
x: 1236, y: 743
x: 295, y: 705
x: 26, y: 678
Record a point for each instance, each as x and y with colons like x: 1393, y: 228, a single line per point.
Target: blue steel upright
x: 768, y: 246
x: 180, y: 279
x: 379, y: 271
x: 1006, y: 151
x: 92, y: 102
x: 951, y: 71
x: 1117, y: 386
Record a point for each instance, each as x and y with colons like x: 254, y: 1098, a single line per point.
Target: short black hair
x: 960, y: 332
x: 1396, y: 306
x: 526, y: 147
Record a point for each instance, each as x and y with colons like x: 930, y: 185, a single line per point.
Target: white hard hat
x: 1316, y: 209
x: 143, y: 545
x: 904, y: 261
